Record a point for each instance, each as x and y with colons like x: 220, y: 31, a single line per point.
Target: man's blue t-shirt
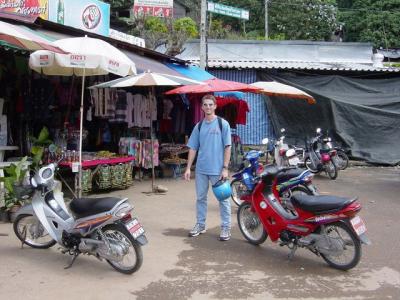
x: 210, y: 146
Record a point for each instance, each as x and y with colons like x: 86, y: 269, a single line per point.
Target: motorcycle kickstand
x: 75, y: 255
x: 292, y: 252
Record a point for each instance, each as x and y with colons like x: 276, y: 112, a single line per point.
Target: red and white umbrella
x: 25, y: 38
x: 85, y: 57
x: 214, y: 85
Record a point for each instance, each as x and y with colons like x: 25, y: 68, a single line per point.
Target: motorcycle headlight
x: 47, y: 173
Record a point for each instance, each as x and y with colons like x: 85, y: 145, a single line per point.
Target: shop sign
x: 25, y: 8
x: 44, y: 60
x: 77, y: 60
x: 156, y: 8
x: 89, y: 15
x: 130, y: 39
x: 228, y: 10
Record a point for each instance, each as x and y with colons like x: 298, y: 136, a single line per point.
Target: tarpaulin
x: 362, y: 114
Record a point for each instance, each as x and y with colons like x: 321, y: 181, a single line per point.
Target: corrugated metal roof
x: 293, y: 65
x: 293, y: 55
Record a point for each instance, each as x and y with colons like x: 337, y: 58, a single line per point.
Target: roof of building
x: 295, y: 55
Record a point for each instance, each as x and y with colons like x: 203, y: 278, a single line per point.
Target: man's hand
x: 224, y: 174
x: 186, y: 176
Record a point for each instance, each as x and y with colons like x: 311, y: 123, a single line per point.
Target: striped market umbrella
x: 25, y: 38
x: 273, y: 88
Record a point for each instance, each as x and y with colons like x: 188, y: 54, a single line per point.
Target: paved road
x: 178, y: 267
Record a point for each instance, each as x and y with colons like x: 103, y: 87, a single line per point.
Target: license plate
x: 135, y: 228
x: 358, y: 225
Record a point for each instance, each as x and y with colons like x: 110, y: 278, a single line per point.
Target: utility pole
x: 203, y: 32
x: 266, y: 19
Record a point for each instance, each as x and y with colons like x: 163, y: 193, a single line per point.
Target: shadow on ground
x: 239, y: 270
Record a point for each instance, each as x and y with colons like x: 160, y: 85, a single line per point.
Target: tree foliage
x: 376, y: 21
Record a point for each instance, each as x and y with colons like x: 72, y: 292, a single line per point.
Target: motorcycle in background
x: 102, y: 227
x: 283, y: 155
x: 328, y: 226
x: 318, y: 159
x: 291, y: 182
x: 341, y: 159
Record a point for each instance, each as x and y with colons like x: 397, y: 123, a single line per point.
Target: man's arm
x: 191, y: 156
x: 227, y: 158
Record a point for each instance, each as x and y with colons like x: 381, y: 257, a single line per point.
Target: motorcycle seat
x: 289, y: 174
x: 321, y: 204
x: 84, y: 207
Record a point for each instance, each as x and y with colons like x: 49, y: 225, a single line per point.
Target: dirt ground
x: 178, y: 267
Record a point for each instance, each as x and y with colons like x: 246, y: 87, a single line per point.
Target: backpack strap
x: 219, y: 123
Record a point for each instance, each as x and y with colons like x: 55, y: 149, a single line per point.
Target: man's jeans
x: 201, y: 204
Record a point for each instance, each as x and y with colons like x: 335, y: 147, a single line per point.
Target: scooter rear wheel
x: 250, y: 225
x: 30, y: 231
x: 238, y: 189
x: 118, y: 235
x: 332, y: 170
x: 351, y: 254
x: 342, y: 160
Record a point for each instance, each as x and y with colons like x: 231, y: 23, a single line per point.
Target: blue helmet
x: 222, y: 189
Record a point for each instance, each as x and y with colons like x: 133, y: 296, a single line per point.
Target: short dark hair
x: 209, y: 97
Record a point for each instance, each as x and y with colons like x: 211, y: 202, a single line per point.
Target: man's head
x: 209, y: 104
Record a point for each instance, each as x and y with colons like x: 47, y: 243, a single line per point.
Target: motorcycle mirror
x: 33, y: 182
x: 283, y: 130
x: 264, y: 141
x: 318, y: 130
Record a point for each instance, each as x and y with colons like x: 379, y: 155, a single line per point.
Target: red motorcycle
x: 328, y: 226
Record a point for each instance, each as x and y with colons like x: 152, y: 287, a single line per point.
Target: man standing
x: 211, y: 138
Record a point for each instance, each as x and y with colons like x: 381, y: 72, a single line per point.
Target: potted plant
x: 38, y: 146
x: 15, y: 191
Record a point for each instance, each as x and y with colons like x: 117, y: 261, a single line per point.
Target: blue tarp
x: 191, y: 72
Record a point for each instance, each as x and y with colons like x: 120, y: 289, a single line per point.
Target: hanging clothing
x: 146, y: 159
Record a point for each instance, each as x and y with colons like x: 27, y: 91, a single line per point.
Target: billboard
x: 29, y: 9
x: 156, y: 8
x: 88, y: 15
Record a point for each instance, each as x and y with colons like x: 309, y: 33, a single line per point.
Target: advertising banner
x: 30, y: 9
x: 88, y: 15
x: 156, y: 8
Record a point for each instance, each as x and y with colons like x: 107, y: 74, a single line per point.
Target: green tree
x: 163, y: 31
x: 289, y: 19
x: 376, y: 21
x: 115, y: 4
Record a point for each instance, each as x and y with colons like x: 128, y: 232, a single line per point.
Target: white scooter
x: 283, y: 155
x: 102, y: 227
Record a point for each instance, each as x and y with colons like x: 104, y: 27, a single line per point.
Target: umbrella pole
x: 80, y: 136
x: 152, y: 94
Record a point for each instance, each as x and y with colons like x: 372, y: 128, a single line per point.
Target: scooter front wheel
x: 31, y: 232
x: 130, y: 255
x: 350, y: 253
x: 250, y: 225
x: 308, y: 164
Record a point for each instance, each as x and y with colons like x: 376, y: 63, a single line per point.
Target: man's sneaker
x: 197, y: 229
x: 225, y: 234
